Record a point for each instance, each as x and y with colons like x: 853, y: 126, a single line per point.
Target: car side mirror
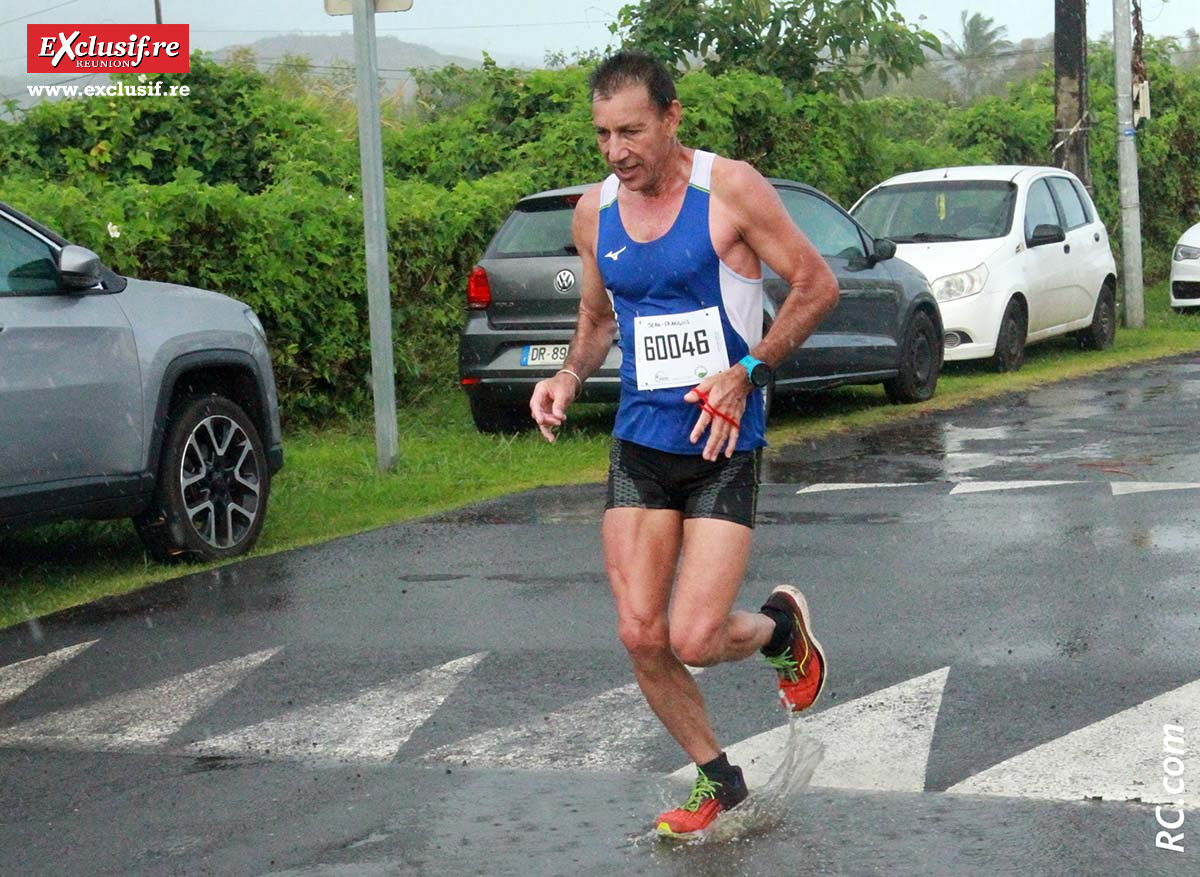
x: 1047, y: 234
x: 78, y: 267
x: 884, y: 249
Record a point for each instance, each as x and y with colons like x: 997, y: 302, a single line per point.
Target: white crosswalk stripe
x: 1117, y: 488
x: 990, y: 486
x: 369, y: 727
x: 879, y: 742
x: 1120, y: 758
x: 17, y: 678
x: 827, y: 488
x: 138, y: 720
x: 1124, y: 488
x: 606, y: 730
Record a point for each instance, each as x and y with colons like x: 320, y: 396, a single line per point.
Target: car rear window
x: 537, y: 228
x: 942, y: 210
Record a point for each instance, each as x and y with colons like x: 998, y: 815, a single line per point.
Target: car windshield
x: 537, y: 228
x: 943, y: 210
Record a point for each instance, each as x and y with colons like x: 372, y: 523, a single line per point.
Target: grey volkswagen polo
x: 523, y: 296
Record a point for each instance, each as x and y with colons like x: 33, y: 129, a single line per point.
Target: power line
x: 37, y: 12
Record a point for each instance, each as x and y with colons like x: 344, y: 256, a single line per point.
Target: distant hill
x: 332, y: 51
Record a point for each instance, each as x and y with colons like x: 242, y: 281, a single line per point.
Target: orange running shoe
x: 801, y: 666
x: 709, y: 799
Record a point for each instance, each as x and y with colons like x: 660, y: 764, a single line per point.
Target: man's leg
x: 641, y: 552
x: 705, y: 629
x: 642, y: 549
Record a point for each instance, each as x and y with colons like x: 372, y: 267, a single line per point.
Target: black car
x: 523, y: 297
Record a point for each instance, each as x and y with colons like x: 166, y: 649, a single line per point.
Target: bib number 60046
x: 661, y: 347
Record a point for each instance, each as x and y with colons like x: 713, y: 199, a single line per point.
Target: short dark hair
x: 633, y: 67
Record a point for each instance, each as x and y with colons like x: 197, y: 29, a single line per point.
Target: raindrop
x: 35, y: 629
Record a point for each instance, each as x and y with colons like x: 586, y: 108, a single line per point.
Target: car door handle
x: 1096, y: 237
x: 1066, y: 248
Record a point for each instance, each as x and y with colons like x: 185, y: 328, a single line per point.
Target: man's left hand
x: 727, y: 392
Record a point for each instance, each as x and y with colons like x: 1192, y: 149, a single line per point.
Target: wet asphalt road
x: 486, y: 636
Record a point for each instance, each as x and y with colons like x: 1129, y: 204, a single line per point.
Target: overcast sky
x: 510, y: 28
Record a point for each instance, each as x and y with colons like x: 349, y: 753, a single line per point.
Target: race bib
x: 678, y: 350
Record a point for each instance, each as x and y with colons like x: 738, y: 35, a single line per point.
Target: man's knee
x: 697, y: 645
x: 643, y: 638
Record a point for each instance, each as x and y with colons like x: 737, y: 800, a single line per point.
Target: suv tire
x: 920, y: 362
x: 210, y: 497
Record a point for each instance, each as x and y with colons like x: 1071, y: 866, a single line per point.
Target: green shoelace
x: 703, y: 788
x: 786, y: 665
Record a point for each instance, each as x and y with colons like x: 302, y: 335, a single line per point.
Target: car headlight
x: 253, y: 320
x: 960, y: 285
x: 1182, y: 252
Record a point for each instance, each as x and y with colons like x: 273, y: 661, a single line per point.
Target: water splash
x: 767, y: 806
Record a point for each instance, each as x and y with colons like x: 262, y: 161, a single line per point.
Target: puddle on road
x: 767, y: 806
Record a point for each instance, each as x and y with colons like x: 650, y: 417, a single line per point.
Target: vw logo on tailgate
x: 564, y: 280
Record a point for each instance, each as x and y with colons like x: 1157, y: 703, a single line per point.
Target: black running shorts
x: 645, y: 478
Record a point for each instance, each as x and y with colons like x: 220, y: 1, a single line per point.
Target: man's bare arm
x: 767, y: 228
x: 594, y: 328
x: 762, y: 222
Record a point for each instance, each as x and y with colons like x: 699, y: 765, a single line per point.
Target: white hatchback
x: 1185, y: 270
x: 1014, y: 254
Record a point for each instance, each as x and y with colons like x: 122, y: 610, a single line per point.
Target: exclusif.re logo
x: 89, y: 48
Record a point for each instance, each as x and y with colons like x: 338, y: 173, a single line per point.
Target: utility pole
x: 1127, y: 167
x: 1070, y: 89
x: 370, y: 152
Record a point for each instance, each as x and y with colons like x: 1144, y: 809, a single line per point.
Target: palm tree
x: 982, y: 41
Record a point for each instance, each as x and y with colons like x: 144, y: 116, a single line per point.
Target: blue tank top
x: 667, y: 294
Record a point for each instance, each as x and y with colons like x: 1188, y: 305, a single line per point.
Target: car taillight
x: 479, y: 291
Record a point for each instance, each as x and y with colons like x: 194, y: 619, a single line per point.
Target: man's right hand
x: 550, y: 400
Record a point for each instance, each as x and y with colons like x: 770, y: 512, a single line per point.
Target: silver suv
x: 125, y: 398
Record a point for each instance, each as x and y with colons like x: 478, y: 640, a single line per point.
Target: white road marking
x: 16, y: 678
x: 1122, y: 488
x: 878, y: 742
x: 137, y: 720
x: 370, y: 727
x: 984, y: 486
x: 1120, y: 758
x: 609, y: 729
x: 825, y: 488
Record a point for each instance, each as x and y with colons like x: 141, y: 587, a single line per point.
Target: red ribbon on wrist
x: 707, y: 407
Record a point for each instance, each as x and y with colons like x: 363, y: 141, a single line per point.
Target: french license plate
x: 544, y: 354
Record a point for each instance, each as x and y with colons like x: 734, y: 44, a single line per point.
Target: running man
x: 672, y: 245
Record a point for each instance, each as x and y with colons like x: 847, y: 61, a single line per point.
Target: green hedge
x: 250, y: 188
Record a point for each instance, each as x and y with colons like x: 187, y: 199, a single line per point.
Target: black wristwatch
x: 759, y: 371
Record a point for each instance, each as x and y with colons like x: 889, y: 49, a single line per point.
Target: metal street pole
x: 158, y: 11
x: 370, y: 150
x: 1127, y: 167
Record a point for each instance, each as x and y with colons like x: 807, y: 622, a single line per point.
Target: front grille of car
x: 1185, y: 289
